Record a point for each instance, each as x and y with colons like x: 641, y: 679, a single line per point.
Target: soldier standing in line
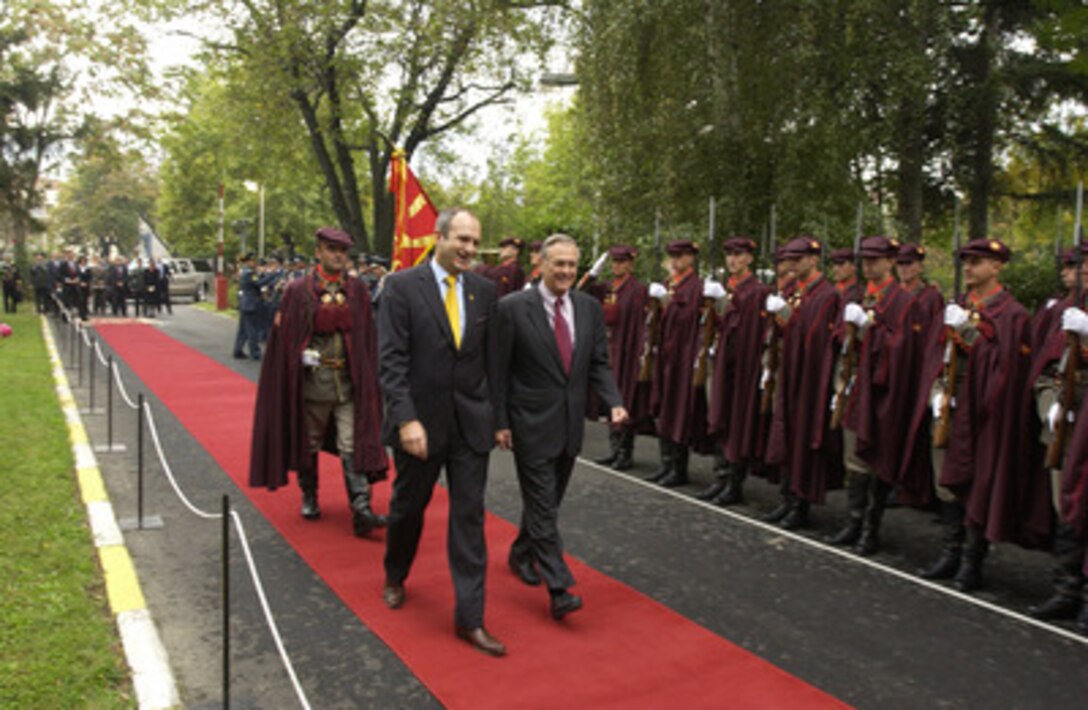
x: 117, y: 287
x: 507, y: 274
x: 625, y: 305
x: 534, y: 264
x: 800, y: 442
x: 984, y: 405
x: 98, y: 286
x: 844, y: 273
x: 876, y: 400
x: 318, y: 388
x: 672, y: 401
x: 1048, y: 375
x: 250, y: 284
x: 734, y: 417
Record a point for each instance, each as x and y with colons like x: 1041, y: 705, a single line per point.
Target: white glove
x: 311, y: 357
x: 1050, y: 303
x: 1074, y: 320
x: 658, y: 291
x: 1053, y: 415
x: 595, y: 270
x: 775, y: 303
x: 937, y: 404
x: 764, y: 379
x: 856, y: 314
x: 955, y: 316
x: 713, y: 290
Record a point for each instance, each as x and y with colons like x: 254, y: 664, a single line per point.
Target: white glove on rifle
x: 658, y: 291
x: 937, y: 405
x: 764, y: 379
x: 1050, y: 303
x: 1074, y: 320
x: 955, y: 316
x: 1053, y: 415
x: 595, y: 270
x: 775, y: 303
x: 853, y: 313
x: 713, y: 290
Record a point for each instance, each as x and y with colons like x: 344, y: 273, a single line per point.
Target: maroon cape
x: 1074, y: 493
x: 673, y: 395
x: 625, y: 317
x: 279, y: 434
x: 884, y: 391
x: 993, y: 460
x: 734, y: 415
x: 799, y: 440
x: 508, y: 277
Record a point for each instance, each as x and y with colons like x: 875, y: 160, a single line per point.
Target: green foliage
x: 59, y: 648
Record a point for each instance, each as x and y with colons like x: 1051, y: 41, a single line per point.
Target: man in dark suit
x: 550, y: 349
x: 433, y: 340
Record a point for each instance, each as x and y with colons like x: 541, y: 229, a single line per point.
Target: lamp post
x: 259, y: 189
x: 220, y: 275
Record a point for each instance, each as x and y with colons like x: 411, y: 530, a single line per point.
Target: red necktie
x: 562, y: 335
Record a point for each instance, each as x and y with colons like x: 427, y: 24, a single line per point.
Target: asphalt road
x: 867, y: 632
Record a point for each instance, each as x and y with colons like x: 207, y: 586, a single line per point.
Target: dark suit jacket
x: 423, y: 376
x: 543, y: 406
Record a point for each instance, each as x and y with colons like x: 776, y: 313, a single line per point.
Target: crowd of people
x: 869, y: 380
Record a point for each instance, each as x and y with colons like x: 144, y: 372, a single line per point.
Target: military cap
x: 840, y: 256
x: 622, y: 252
x: 879, y: 248
x: 988, y: 248
x: 738, y: 244
x: 338, y: 237
x: 801, y: 246
x: 681, y: 246
x: 536, y: 246
x: 512, y: 242
x: 909, y: 253
x: 377, y: 260
x: 779, y: 253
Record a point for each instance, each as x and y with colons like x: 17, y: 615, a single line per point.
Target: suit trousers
x: 543, y: 483
x: 466, y: 548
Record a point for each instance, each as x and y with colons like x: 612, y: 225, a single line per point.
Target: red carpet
x: 624, y: 650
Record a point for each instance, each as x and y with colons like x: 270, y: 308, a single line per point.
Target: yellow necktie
x: 453, y: 310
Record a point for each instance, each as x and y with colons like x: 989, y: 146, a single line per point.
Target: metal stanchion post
x: 109, y: 447
x: 79, y: 357
x: 226, y: 602
x: 141, y: 522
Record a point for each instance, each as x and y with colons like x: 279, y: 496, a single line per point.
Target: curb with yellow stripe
x: 151, y: 675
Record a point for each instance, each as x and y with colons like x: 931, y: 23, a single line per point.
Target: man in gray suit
x: 433, y: 340
x: 550, y: 348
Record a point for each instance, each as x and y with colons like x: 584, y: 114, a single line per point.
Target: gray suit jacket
x: 543, y: 406
x: 423, y: 375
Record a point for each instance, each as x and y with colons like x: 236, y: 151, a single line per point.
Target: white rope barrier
x: 121, y: 388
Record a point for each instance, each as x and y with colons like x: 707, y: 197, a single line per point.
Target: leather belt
x: 333, y: 363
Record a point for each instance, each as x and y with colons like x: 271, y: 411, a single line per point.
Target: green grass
x: 59, y: 646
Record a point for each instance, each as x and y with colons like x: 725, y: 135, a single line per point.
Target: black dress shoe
x: 673, y: 480
x: 711, y: 492
x: 481, y: 641
x: 393, y: 595
x: 564, y: 603
x: 525, y: 571
x: 310, y: 510
x: 1058, y: 606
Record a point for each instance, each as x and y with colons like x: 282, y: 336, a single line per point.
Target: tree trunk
x: 911, y: 148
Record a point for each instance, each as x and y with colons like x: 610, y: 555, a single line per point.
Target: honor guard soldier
x: 800, y: 442
x: 873, y: 393
x: 673, y: 393
x: 507, y: 274
x: 980, y: 367
x: 318, y: 388
x: 625, y: 304
x: 534, y: 264
x: 844, y: 273
x: 734, y: 418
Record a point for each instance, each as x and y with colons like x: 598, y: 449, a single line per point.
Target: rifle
x: 850, y: 344
x: 1071, y: 358
x: 942, y: 429
x: 707, y: 320
x: 772, y: 345
x: 652, y: 337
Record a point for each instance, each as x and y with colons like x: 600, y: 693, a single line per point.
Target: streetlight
x: 259, y: 189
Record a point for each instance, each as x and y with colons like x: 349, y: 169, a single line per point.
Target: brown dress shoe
x: 393, y: 595
x: 481, y: 640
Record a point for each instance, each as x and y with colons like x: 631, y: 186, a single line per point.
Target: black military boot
x: 797, y: 518
x: 623, y: 461
x: 784, y: 507
x: 876, y: 500
x: 734, y: 488
x: 721, y: 473
x: 857, y: 490
x: 667, y: 449
x: 1082, y: 617
x: 363, y: 519
x: 679, y: 475
x: 614, y: 436
x: 1065, y: 602
x: 307, y: 483
x: 948, y: 564
x: 969, y: 576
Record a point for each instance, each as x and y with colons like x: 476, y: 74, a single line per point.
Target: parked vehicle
x: 189, y: 278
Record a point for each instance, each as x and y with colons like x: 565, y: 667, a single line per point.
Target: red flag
x: 413, y: 231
